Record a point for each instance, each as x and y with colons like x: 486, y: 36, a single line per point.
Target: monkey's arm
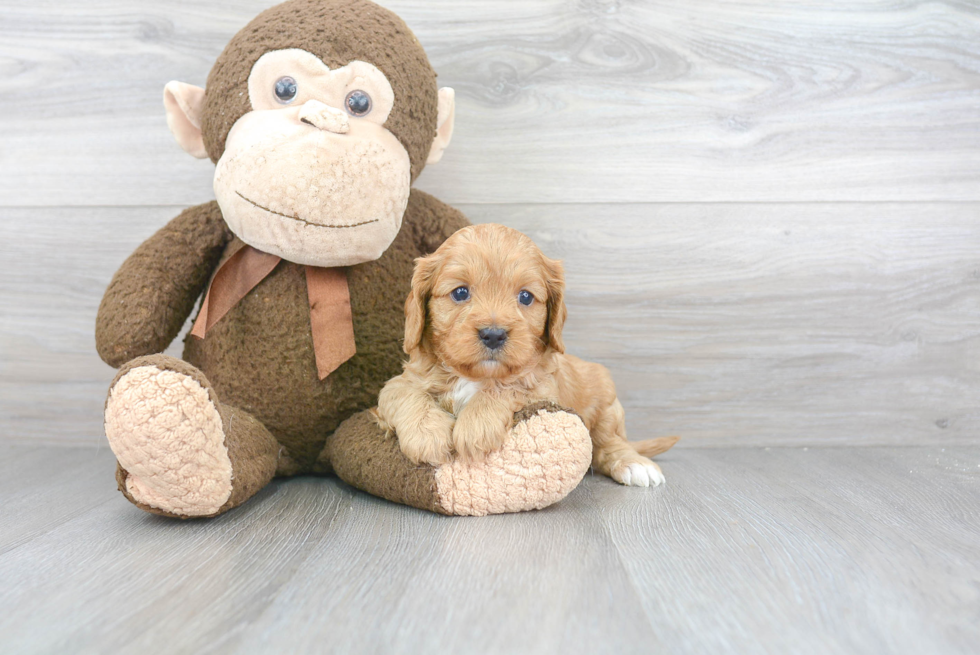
x: 433, y: 220
x: 154, y: 291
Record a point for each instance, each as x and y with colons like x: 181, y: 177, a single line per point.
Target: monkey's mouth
x: 303, y: 221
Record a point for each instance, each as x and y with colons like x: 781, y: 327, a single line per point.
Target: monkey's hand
x: 482, y: 426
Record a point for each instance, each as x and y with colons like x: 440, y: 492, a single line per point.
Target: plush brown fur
x: 456, y: 395
x: 154, y: 291
x: 259, y: 357
x: 364, y: 457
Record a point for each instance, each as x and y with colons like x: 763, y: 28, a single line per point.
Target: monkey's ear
x: 416, y: 307
x: 185, y: 105
x: 444, y: 124
x: 557, y: 312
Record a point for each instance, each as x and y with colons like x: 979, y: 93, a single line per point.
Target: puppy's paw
x: 475, y: 438
x: 430, y: 441
x: 635, y: 471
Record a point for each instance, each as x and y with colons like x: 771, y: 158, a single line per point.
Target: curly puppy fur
x: 479, y: 355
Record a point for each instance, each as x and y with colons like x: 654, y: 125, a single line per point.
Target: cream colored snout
x: 324, y: 117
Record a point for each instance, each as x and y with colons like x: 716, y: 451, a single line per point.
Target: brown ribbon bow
x: 330, y: 314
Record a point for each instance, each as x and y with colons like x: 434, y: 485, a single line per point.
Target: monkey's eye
x: 286, y: 90
x: 358, y: 103
x: 460, y: 294
x: 525, y: 297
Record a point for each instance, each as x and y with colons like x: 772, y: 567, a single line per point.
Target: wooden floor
x: 745, y: 550
x: 769, y: 215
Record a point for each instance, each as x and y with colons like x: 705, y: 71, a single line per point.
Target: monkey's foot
x: 543, y: 458
x: 166, y: 432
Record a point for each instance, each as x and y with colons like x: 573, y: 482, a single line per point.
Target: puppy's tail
x: 652, y: 447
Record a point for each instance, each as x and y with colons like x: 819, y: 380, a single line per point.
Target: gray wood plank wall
x: 769, y: 211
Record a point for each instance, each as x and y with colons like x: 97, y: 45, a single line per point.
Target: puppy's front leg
x: 482, y: 425
x: 424, y: 430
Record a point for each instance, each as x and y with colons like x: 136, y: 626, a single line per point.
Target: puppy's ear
x: 554, y: 278
x: 416, y: 307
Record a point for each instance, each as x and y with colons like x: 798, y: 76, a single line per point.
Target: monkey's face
x: 311, y: 174
x: 315, y: 162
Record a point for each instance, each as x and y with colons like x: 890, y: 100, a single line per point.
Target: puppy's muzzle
x: 493, y: 337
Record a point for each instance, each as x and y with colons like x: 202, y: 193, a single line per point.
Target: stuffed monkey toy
x: 319, y: 115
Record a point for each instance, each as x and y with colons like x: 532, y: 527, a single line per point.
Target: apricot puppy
x: 483, y: 332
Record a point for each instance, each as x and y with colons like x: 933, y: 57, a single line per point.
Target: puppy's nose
x: 493, y: 338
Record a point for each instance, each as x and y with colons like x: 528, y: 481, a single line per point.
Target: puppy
x: 483, y: 332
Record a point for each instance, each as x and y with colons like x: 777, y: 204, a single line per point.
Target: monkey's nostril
x: 324, y: 117
x: 493, y: 338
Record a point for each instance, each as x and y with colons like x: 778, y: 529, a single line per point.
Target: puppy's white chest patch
x: 462, y: 393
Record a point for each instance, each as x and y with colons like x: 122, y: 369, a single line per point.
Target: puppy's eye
x: 286, y: 90
x: 525, y: 298
x: 460, y: 294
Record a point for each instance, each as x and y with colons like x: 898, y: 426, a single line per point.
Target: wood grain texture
x: 775, y: 323
x: 722, y: 323
x: 559, y: 100
x: 54, y: 267
x: 870, y: 550
x: 680, y: 158
x: 42, y: 489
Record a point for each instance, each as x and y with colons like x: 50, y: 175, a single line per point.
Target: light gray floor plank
x: 135, y: 580
x: 55, y: 264
x: 820, y: 551
x: 757, y: 324
x: 32, y: 477
x: 501, y: 585
x: 858, y: 550
x: 559, y: 100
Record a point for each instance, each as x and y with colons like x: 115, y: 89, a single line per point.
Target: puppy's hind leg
x: 615, y: 456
